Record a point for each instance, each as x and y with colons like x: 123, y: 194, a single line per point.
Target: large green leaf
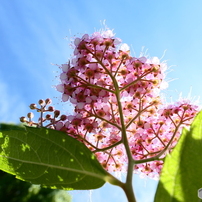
x: 181, y: 175
x: 50, y: 158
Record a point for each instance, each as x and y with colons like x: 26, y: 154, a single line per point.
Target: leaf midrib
x: 57, y: 167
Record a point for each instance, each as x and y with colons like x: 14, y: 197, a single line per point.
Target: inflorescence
x: 117, y: 96
x: 45, y: 120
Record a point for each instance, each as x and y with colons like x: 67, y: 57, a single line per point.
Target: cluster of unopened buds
x: 117, y: 102
x: 49, y: 120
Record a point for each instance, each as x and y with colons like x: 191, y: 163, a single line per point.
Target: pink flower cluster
x: 116, y: 94
x: 117, y: 97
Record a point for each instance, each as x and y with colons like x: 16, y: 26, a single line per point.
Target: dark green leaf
x: 14, y: 190
x: 4, y: 126
x: 50, y: 158
x: 181, y: 175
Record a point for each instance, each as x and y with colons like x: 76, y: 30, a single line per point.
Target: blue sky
x: 35, y: 34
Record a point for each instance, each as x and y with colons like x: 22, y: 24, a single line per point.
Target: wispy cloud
x: 11, y: 104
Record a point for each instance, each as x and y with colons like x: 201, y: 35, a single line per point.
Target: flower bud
x: 56, y: 113
x: 23, y: 119
x: 63, y: 117
x: 41, y: 102
x: 50, y: 109
x: 48, y: 116
x: 48, y: 101
x: 30, y: 115
x: 32, y: 106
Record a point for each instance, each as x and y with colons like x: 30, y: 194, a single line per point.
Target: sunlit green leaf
x: 50, y: 158
x: 181, y: 176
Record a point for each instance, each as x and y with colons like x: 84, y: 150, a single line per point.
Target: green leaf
x: 181, y: 175
x: 14, y: 190
x: 4, y: 126
x: 50, y: 158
